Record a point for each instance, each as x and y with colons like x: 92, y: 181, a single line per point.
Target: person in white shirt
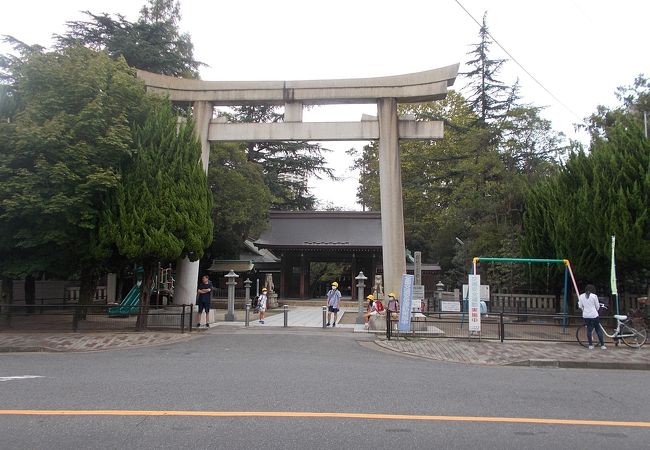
x: 261, y: 305
x: 589, y: 304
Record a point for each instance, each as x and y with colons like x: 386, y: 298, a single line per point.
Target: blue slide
x: 130, y: 304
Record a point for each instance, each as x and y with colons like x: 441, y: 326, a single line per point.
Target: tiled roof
x: 320, y: 229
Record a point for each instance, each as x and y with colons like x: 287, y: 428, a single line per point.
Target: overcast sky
x: 579, y: 50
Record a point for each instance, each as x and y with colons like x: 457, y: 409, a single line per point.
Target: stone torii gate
x: 385, y: 92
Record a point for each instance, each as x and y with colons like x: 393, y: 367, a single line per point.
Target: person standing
x: 261, y: 305
x: 589, y: 304
x: 203, y: 299
x: 393, y: 306
x: 333, y: 300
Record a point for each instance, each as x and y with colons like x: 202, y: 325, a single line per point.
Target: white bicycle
x: 624, y: 331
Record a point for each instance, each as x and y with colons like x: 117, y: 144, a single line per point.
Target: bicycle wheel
x: 633, y: 337
x: 581, y: 335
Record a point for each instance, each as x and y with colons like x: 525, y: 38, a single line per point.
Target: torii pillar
x: 390, y: 191
x: 187, y: 272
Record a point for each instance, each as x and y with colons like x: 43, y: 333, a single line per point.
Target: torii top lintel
x: 407, y: 88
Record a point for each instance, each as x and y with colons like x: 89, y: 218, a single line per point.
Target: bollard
x: 389, y: 325
x: 286, y: 315
x: 324, y: 316
x: 248, y: 314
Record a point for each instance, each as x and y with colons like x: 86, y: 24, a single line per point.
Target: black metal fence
x: 500, y: 326
x: 75, y: 317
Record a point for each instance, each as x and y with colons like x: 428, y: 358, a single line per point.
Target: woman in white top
x: 589, y: 304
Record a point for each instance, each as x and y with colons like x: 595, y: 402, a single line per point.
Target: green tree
x: 161, y: 210
x: 60, y: 157
x: 237, y: 186
x: 280, y: 160
x: 606, y: 192
x: 152, y: 43
x: 490, y: 97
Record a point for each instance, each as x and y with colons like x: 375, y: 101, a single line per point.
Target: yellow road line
x: 321, y: 415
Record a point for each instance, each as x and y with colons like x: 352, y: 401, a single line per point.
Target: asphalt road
x: 223, y: 373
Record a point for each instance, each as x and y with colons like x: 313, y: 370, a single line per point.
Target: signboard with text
x: 418, y: 297
x: 485, y: 292
x: 474, y: 302
x: 447, y: 306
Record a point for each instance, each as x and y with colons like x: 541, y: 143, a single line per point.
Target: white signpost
x: 485, y: 292
x: 418, y: 297
x: 474, y: 303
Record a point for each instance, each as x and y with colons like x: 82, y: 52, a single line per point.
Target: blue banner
x: 406, y: 298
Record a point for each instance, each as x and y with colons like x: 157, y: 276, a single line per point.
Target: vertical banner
x: 406, y: 299
x: 613, y: 274
x: 474, y: 302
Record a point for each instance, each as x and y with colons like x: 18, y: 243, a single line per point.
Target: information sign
x: 474, y: 303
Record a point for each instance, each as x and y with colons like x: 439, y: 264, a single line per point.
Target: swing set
x: 567, y: 272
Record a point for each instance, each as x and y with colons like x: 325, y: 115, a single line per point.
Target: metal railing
x: 76, y: 317
x: 500, y: 326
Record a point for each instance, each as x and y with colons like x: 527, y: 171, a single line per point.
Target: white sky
x: 580, y: 50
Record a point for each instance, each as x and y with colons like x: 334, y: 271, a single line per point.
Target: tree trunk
x: 88, y: 286
x: 147, y: 279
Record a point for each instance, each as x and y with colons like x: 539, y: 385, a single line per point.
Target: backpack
x: 256, y: 301
x: 379, y: 306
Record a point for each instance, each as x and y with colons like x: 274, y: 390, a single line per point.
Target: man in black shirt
x: 203, y: 298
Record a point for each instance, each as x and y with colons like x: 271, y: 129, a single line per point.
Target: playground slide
x: 130, y: 304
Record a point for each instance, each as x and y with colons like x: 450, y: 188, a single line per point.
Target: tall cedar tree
x: 278, y: 159
x: 489, y: 97
x: 152, y: 43
x: 162, y: 209
x: 71, y: 132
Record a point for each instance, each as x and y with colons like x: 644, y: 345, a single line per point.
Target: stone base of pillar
x: 273, y: 300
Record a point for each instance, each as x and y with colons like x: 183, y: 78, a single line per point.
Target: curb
x: 28, y: 350
x: 551, y: 363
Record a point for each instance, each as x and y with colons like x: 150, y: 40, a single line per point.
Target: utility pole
x: 645, y: 123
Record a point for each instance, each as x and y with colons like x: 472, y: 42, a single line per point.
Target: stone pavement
x: 85, y: 342
x: 521, y: 353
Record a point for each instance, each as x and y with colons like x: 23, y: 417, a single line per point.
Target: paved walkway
x: 85, y: 342
x: 464, y: 351
x: 302, y: 316
x: 519, y: 353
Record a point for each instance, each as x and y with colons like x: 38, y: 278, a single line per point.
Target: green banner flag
x: 613, y: 274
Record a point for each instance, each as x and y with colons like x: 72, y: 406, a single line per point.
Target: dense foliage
x: 152, y: 43
x: 599, y: 194
x: 59, y: 157
x: 161, y: 210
